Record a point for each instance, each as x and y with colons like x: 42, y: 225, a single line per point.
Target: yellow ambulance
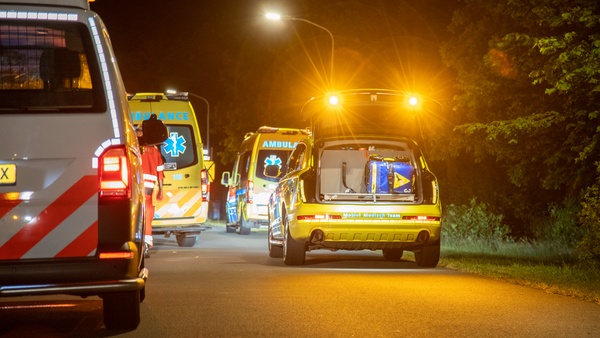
x: 255, y: 174
x: 184, y: 208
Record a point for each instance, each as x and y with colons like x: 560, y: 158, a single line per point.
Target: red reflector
x: 116, y: 255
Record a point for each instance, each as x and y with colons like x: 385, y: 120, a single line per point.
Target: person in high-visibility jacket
x: 152, y: 166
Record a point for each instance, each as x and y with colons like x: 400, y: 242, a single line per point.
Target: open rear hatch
x: 364, y: 145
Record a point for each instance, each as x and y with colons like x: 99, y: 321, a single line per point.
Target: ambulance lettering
x: 165, y: 116
x: 174, y: 145
x: 279, y: 144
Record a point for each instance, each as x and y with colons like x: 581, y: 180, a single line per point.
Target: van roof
x: 83, y: 4
x: 273, y: 130
x: 157, y: 97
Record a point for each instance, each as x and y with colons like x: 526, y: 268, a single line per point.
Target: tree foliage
x: 528, y: 74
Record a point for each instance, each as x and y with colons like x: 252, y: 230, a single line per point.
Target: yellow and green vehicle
x: 358, y: 182
x: 183, y: 210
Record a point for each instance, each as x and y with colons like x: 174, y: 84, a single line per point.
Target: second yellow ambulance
x: 255, y: 174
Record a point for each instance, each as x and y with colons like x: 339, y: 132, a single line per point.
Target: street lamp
x: 172, y: 91
x: 278, y: 17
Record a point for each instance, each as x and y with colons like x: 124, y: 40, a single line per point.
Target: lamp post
x: 278, y: 17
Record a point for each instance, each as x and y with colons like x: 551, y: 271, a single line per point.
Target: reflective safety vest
x: 152, y: 165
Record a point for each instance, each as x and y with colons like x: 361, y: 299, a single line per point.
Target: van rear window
x: 48, y: 67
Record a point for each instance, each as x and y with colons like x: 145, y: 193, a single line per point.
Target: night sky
x: 208, y: 47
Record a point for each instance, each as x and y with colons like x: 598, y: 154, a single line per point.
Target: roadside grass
x: 546, y: 266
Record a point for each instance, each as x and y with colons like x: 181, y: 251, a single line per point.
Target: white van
x: 255, y: 174
x: 71, y: 189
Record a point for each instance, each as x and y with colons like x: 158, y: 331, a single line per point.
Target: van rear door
x: 49, y: 86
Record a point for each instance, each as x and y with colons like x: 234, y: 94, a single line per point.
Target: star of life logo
x: 174, y: 145
x: 273, y: 160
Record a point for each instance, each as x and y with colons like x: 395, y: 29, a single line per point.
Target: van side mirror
x: 225, y: 178
x: 154, y: 131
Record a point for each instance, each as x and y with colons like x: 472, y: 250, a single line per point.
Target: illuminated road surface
x: 227, y: 286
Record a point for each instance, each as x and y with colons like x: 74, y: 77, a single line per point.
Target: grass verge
x: 546, y: 266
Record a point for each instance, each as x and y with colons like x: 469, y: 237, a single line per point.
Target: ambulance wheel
x: 121, y: 310
x: 245, y: 227
x: 186, y: 240
x: 428, y: 256
x: 275, y: 251
x: 294, y: 252
x: 394, y: 255
x: 229, y: 229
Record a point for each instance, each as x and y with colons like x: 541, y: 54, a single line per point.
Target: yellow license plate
x: 8, y: 174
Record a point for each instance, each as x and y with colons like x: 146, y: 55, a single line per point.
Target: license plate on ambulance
x: 8, y: 174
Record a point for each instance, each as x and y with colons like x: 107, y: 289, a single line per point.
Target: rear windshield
x: 179, y: 148
x: 48, y: 67
x: 270, y: 162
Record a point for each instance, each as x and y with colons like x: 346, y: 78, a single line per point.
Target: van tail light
x: 250, y: 192
x: 114, y: 173
x: 205, y: 185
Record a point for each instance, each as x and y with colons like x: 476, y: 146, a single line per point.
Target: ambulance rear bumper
x: 87, y: 288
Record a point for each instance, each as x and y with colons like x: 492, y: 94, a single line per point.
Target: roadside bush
x: 563, y: 226
x: 473, y: 223
x: 589, y: 246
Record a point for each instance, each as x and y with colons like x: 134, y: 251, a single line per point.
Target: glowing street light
x: 279, y: 17
x: 413, y: 101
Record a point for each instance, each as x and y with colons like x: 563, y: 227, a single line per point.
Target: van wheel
x: 428, y: 256
x: 394, y: 255
x: 121, y: 310
x: 275, y: 251
x: 186, y: 240
x: 294, y: 252
x: 245, y: 227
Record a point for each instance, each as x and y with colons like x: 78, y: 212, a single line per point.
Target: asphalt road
x: 227, y: 286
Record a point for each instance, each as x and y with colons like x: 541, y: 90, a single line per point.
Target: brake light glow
x: 205, y: 185
x: 113, y: 173
x: 317, y: 217
x: 421, y: 218
x: 250, y: 192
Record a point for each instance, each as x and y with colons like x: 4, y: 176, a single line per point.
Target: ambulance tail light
x: 250, y: 192
x: 421, y: 218
x: 113, y: 172
x: 318, y: 217
x: 205, y: 185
